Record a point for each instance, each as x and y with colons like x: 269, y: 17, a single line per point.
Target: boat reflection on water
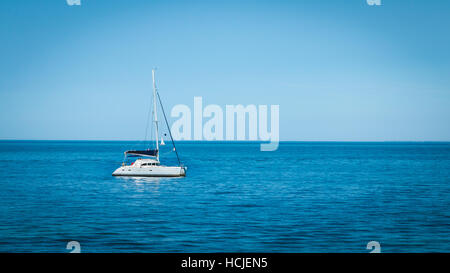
x: 146, y: 184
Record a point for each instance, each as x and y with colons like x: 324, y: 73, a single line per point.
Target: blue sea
x: 304, y: 197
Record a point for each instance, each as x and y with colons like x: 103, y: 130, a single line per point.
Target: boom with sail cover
x: 142, y: 153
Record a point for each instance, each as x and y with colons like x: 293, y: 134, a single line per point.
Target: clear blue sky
x: 339, y: 69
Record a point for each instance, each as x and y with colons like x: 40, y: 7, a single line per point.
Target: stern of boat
x: 183, y: 171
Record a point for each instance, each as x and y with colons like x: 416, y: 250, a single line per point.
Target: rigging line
x: 150, y: 141
x: 148, y: 120
x: 168, y: 128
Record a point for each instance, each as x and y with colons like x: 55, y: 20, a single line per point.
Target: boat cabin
x: 145, y: 162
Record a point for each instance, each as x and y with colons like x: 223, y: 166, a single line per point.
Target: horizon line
x: 231, y: 141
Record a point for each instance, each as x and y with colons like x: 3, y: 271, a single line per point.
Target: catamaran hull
x: 160, y: 171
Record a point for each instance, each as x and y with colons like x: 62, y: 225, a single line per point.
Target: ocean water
x: 305, y: 197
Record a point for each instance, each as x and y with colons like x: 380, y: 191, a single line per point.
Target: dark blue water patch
x: 304, y: 197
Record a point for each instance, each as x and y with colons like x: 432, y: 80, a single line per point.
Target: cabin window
x: 150, y: 164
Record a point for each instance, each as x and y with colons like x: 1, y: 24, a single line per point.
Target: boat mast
x: 155, y: 115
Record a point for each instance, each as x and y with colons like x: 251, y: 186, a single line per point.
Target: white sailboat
x: 148, y: 162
